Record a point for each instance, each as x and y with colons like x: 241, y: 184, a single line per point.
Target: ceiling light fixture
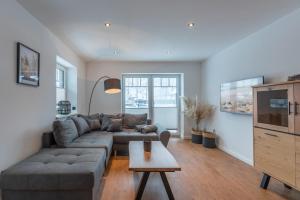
x: 107, y: 25
x: 191, y: 25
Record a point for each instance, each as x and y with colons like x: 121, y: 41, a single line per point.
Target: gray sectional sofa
x: 71, y: 166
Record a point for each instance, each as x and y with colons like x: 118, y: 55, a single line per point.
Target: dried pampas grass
x: 197, y: 111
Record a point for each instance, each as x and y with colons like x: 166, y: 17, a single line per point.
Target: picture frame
x: 28, y: 66
x: 236, y: 97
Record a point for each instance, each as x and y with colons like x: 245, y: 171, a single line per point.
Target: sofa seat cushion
x: 125, y: 136
x: 56, y: 169
x: 95, y: 139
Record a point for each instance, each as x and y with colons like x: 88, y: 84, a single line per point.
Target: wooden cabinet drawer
x: 297, y: 162
x: 274, y: 154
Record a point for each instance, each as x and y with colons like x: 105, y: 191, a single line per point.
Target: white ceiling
x: 155, y: 30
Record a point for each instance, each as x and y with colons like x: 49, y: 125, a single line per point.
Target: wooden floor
x: 206, y: 174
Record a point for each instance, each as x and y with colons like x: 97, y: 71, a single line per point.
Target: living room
x: 99, y: 96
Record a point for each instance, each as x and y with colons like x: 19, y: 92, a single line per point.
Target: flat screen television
x: 237, y: 97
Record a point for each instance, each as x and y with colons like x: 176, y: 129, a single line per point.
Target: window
x: 60, y: 83
x: 165, y: 92
x: 136, y: 93
x: 60, y: 78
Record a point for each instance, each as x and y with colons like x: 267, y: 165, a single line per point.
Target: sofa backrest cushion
x: 93, y: 116
x: 132, y: 120
x: 64, y: 132
x: 93, y: 121
x: 115, y: 125
x: 106, y: 120
x: 94, y: 124
x: 81, y: 125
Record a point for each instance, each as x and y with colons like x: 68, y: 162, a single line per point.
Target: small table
x: 159, y: 160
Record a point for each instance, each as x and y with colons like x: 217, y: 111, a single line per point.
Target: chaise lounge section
x: 64, y: 174
x: 74, y: 157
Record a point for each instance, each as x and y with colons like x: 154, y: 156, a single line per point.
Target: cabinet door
x: 273, y: 107
x: 274, y: 154
x: 298, y: 162
x: 297, y: 107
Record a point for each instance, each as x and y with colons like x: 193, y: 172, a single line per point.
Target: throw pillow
x: 149, y: 129
x: 131, y: 120
x: 115, y: 125
x: 139, y: 128
x: 64, y: 132
x: 81, y: 125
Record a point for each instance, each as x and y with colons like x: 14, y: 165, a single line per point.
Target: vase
x: 147, y: 146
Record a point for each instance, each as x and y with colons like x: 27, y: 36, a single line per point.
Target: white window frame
x: 60, y: 67
x: 150, y: 92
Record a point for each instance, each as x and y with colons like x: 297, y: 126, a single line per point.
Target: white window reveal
x: 66, y: 84
x: 61, y: 92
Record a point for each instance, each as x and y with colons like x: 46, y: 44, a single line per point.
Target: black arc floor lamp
x: 111, y: 86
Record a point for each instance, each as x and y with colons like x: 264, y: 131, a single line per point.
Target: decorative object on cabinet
x: 276, y: 122
x: 236, y: 97
x: 294, y: 77
x: 28, y: 66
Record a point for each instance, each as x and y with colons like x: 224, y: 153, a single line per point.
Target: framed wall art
x: 236, y: 97
x: 28, y: 66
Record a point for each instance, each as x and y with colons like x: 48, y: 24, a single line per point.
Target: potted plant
x: 197, y: 111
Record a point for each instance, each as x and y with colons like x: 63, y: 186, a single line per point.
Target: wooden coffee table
x: 159, y: 160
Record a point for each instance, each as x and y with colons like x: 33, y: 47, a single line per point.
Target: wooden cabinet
x: 275, y: 154
x: 297, y: 139
x: 276, y: 121
x: 297, y: 107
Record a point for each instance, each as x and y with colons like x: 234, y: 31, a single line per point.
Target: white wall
x: 272, y: 52
x: 27, y: 111
x: 112, y: 103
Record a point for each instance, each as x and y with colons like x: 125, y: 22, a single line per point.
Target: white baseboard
x: 236, y: 155
x: 229, y: 151
x: 188, y: 137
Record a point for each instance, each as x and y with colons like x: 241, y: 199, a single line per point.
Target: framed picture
x: 236, y: 97
x: 28, y: 66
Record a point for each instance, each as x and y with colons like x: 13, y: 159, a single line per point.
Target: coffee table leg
x: 142, y: 185
x: 167, y: 186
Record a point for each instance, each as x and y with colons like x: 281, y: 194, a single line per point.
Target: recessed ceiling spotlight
x: 107, y: 25
x: 191, y: 25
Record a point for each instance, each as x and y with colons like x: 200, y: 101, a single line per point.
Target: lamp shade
x: 112, y: 86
